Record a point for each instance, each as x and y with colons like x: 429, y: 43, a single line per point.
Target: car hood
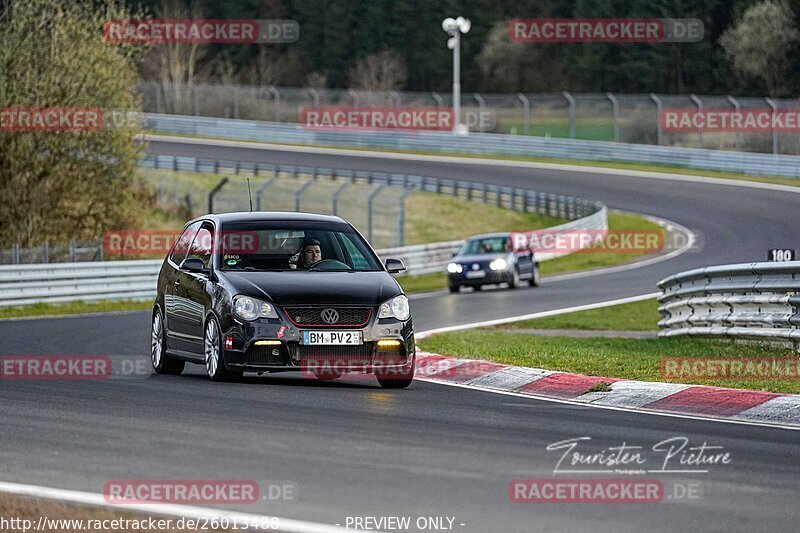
x: 321, y: 288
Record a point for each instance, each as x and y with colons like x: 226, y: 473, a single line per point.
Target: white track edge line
x: 98, y: 500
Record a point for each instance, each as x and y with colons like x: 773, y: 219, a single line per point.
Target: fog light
x: 388, y: 343
x: 268, y: 343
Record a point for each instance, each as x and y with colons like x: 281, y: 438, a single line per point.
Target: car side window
x: 358, y: 259
x: 202, y: 245
x: 181, y: 247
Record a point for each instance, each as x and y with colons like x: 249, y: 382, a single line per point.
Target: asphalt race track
x: 353, y: 449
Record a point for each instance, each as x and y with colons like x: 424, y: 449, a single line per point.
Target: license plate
x: 332, y: 337
x: 476, y: 274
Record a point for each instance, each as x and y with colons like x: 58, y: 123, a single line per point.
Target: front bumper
x: 274, y: 345
x: 490, y: 277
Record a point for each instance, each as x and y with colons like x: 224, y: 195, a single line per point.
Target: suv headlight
x: 248, y: 308
x: 397, y: 308
x: 454, y: 268
x: 498, y: 264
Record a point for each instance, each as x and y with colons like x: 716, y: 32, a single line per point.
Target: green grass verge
x: 794, y: 182
x: 636, y: 316
x: 73, y: 308
x: 638, y: 359
x: 587, y: 259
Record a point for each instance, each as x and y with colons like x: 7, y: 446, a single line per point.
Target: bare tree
x: 760, y: 42
x: 384, y: 71
x: 174, y: 65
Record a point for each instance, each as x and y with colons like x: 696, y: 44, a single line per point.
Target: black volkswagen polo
x: 271, y: 292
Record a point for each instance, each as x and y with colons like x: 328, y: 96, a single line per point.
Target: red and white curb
x: 663, y: 398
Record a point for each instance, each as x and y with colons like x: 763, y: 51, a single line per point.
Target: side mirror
x: 193, y: 264
x: 394, y: 266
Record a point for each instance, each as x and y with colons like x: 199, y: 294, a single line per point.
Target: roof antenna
x: 249, y: 195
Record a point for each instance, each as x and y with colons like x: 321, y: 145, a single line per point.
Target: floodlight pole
x: 457, y: 80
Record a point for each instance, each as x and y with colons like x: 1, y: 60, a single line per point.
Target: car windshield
x: 311, y: 246
x: 487, y: 245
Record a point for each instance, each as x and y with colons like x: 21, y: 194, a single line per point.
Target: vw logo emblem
x: 330, y: 316
x: 475, y: 266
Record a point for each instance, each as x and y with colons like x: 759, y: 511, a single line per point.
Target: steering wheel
x: 328, y: 264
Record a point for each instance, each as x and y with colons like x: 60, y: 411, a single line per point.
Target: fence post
x: 46, y: 251
x: 213, y: 193
x: 261, y: 190
x: 657, y: 100
x: 572, y: 113
x: 439, y: 100
x: 72, y: 250
x: 100, y: 248
x: 401, y: 219
x: 699, y: 104
x: 481, y: 108
x: 276, y: 95
x: 774, y: 107
x: 335, y: 198
x: 526, y: 111
x: 315, y: 95
x: 15, y: 254
x: 299, y: 194
x: 737, y: 108
x: 615, y: 112
x: 369, y: 211
x: 236, y: 101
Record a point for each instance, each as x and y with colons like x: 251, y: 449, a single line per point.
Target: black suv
x: 237, y: 293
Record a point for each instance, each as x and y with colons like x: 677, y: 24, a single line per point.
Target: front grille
x: 335, y: 355
x: 262, y: 355
x: 313, y: 316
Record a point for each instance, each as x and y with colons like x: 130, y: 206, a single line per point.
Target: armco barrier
x: 136, y: 280
x: 479, y: 143
x: 748, y: 300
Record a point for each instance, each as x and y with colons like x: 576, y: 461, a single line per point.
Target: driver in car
x: 310, y: 253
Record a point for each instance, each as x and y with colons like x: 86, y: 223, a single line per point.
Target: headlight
x: 498, y: 264
x: 248, y: 308
x: 397, y: 308
x: 454, y: 268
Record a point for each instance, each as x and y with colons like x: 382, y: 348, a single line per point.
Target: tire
x: 397, y: 381
x: 162, y: 363
x: 213, y: 354
x: 513, y: 281
x: 454, y: 288
x: 534, y: 281
x: 327, y: 375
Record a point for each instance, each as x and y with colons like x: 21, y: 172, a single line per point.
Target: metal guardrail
x: 136, y: 280
x: 748, y: 300
x: 480, y: 143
